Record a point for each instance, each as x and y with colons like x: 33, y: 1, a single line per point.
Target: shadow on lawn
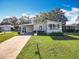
x: 38, y: 51
x: 64, y: 37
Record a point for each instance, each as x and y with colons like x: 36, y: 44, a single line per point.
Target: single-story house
x: 48, y: 26
x: 6, y: 28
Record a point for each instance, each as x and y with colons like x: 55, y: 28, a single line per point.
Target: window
x: 50, y: 26
x: 58, y: 25
x: 54, y: 26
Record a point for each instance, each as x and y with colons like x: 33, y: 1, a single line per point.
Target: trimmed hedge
x: 52, y: 34
x: 56, y: 34
x: 70, y: 30
x: 41, y: 33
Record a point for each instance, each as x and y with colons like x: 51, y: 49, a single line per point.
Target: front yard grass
x: 75, y: 35
x: 50, y: 47
x: 7, y: 35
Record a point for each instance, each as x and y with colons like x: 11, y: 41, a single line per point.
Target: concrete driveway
x: 11, y: 48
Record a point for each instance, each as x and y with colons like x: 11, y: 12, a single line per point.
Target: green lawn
x: 51, y: 47
x: 7, y: 35
x: 76, y: 35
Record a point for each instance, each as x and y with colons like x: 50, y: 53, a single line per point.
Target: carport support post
x: 21, y: 30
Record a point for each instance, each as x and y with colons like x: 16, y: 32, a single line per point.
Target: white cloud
x: 75, y: 10
x: 72, y: 15
x: 72, y: 21
x: 24, y: 14
x: 7, y: 16
x: 33, y: 15
x: 67, y: 13
x: 29, y: 14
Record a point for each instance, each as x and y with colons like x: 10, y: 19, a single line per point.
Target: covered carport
x: 26, y: 28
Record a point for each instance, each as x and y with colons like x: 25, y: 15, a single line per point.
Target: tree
x: 55, y: 15
x: 24, y: 20
x: 13, y: 20
x: 59, y: 15
x: 10, y: 20
x: 40, y: 17
x: 5, y: 21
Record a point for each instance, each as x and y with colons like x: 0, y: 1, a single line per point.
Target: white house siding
x: 44, y: 27
x: 54, y: 29
x: 6, y: 27
x: 37, y: 27
x: 21, y: 28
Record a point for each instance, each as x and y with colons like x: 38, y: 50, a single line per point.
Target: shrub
x: 19, y: 33
x: 41, y: 33
x: 70, y: 30
x: 34, y: 32
x: 0, y: 30
x: 56, y: 34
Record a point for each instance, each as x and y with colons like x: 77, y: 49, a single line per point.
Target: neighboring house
x: 72, y: 27
x: 47, y: 26
x: 77, y: 27
x: 6, y: 27
x: 69, y: 28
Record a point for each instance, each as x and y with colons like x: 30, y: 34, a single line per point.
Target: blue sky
x: 18, y: 7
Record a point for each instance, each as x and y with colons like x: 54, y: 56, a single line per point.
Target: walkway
x: 11, y: 48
